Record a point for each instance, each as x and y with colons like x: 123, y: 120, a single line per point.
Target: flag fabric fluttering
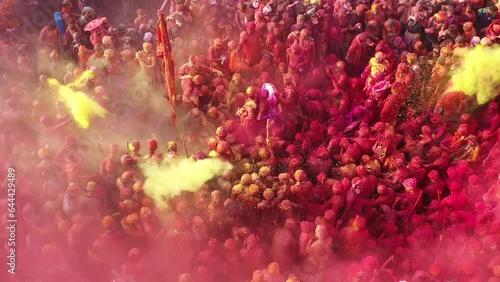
x: 164, y: 51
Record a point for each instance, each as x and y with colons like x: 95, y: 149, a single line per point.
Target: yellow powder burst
x: 183, y: 175
x: 86, y: 75
x: 479, y: 74
x: 81, y: 107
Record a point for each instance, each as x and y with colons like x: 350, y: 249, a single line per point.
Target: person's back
x: 485, y: 16
x: 49, y: 36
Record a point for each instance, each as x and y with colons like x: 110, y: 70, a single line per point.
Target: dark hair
x: 98, y: 47
x: 122, y: 27
x: 242, y: 6
x: 459, y: 39
x: 493, y: 8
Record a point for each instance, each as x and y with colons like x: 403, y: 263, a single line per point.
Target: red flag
x: 164, y: 51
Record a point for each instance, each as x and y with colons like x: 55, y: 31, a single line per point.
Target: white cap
x: 267, y: 9
x: 476, y: 40
x: 148, y: 36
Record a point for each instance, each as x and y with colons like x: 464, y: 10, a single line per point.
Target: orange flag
x: 164, y: 51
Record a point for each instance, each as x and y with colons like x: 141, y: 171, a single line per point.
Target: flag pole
x: 170, y: 98
x: 185, y: 146
x: 164, y: 51
x: 268, y: 142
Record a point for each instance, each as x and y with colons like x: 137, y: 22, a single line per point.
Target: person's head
x: 270, y: 39
x: 382, y: 189
x: 193, y: 61
x: 298, y: 28
x: 78, y: 38
x: 358, y: 222
x: 242, y: 7
x: 258, y: 276
x: 232, y: 45
x: 475, y: 41
x: 288, y: 79
x: 450, y: 12
x: 402, y: 67
x: 340, y: 66
x: 440, y: 16
x: 282, y: 67
x: 217, y: 43
x: 172, y: 146
x: 265, y: 61
x: 492, y: 10
x: 290, y: 224
x: 72, y: 23
x: 453, y: 29
x: 360, y: 9
x: 52, y: 25
x: 236, y: 79
x: 216, y: 197
x: 259, y: 16
x: 469, y: 8
x: 496, y: 27
x: 379, y: 57
x: 70, y: 67
x: 459, y: 40
x: 251, y: 28
x: 264, y: 94
x: 441, y: 61
x: 109, y: 54
x: 485, y: 41
x: 273, y: 269
x: 304, y: 33
x: 99, y: 49
x: 147, y: 47
x: 321, y: 232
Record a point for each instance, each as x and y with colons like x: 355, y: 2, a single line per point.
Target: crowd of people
x: 351, y: 160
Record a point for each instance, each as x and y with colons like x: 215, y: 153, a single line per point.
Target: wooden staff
x: 101, y: 150
x: 383, y: 266
x: 433, y: 100
x: 171, y: 99
x: 268, y: 143
x: 174, y: 118
x: 415, y: 205
x: 185, y: 147
x: 485, y: 161
x: 462, y: 251
x: 439, y: 248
